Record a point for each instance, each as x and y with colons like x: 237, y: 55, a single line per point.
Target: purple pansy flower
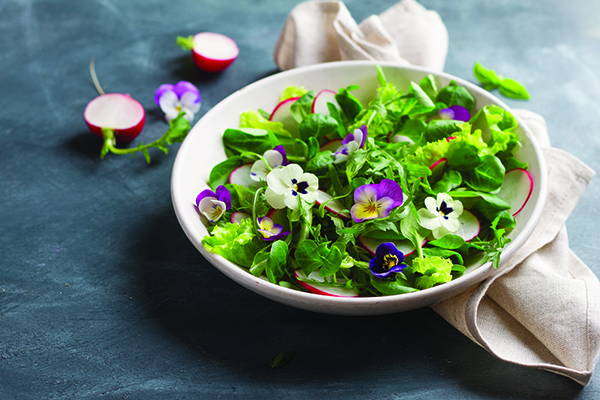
x: 275, y: 158
x: 213, y: 204
x: 269, y: 230
x: 388, y: 260
x: 352, y: 142
x: 172, y: 99
x: 376, y: 200
x: 456, y: 112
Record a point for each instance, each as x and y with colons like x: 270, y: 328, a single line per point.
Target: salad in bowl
x: 357, y: 188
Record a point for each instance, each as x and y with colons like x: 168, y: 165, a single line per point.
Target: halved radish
x: 283, y: 113
x: 437, y: 168
x: 116, y: 111
x: 331, y: 145
x: 239, y: 216
x: 370, y: 244
x: 322, y: 288
x: 320, y: 101
x: 241, y: 176
x: 214, y: 52
x: 334, y: 206
x: 469, y: 226
x: 516, y: 189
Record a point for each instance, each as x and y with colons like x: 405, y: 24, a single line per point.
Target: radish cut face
x: 283, y: 113
x: 370, y: 244
x: 469, y: 226
x: 279, y: 216
x: 334, y: 206
x: 516, y: 189
x: 239, y: 216
x: 322, y: 288
x: 319, y: 105
x: 118, y: 112
x: 241, y: 176
x: 331, y: 145
x: 214, y: 52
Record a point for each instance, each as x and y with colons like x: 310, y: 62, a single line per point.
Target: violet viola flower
x: 352, y: 142
x: 456, y: 112
x: 172, y: 99
x: 269, y: 230
x: 275, y: 158
x: 387, y: 261
x: 213, y: 204
x: 376, y: 200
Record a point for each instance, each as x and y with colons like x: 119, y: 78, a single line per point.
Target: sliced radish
x: 331, y: 145
x: 401, y: 138
x: 469, y: 226
x: 241, y: 176
x: 283, y: 113
x: 322, y: 288
x: 405, y: 246
x: 239, y: 216
x: 214, y: 52
x: 437, y: 168
x: 516, y: 189
x: 319, y: 104
x: 334, y: 206
x: 118, y: 112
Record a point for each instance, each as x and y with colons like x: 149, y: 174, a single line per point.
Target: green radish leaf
x: 513, y: 89
x: 281, y: 359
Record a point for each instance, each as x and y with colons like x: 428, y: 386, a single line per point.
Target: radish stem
x: 178, y: 130
x: 94, y: 77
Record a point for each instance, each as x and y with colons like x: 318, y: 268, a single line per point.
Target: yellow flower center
x: 389, y: 261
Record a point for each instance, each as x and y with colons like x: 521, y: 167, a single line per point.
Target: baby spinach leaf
x: 429, y: 86
x: 307, y: 256
x: 219, y: 175
x: 317, y: 126
x: 392, y: 286
x: 513, y: 89
x: 441, y: 129
x: 275, y: 268
x: 454, y: 94
x: 348, y: 103
x: 488, y: 175
x: 487, y: 77
x: 281, y: 359
x: 303, y: 106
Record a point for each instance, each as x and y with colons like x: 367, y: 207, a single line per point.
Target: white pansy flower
x: 441, y: 215
x: 287, y: 185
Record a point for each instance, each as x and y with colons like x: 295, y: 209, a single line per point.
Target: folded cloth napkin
x: 543, y: 308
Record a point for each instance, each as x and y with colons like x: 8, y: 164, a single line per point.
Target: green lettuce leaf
x: 235, y: 242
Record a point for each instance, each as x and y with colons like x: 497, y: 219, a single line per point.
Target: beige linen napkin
x: 543, y: 309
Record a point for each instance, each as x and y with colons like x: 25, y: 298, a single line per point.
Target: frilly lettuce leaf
x: 235, y: 242
x: 434, y: 270
x: 253, y: 119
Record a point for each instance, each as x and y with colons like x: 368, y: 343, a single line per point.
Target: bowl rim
x: 298, y: 298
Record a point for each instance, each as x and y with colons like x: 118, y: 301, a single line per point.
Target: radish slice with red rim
x: 469, y: 226
x: 319, y: 105
x: 437, y: 168
x: 214, y: 52
x: 118, y: 112
x: 239, y: 216
x: 241, y: 176
x: 516, y: 189
x: 323, y: 288
x: 283, y: 113
x: 331, y: 145
x: 334, y: 206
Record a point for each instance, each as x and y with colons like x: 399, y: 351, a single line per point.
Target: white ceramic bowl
x: 203, y: 149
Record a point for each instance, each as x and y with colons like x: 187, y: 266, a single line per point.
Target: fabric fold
x: 543, y: 308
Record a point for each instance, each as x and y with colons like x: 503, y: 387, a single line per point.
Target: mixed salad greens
x: 340, y: 198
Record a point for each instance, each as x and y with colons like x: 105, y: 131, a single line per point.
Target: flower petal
x: 275, y: 200
x: 277, y: 182
x: 183, y: 87
x: 273, y: 158
x: 428, y: 220
x: 191, y: 101
x: 259, y: 171
x: 450, y: 224
x: 203, y: 194
x: 365, y: 194
x: 384, y: 206
x: 160, y: 91
x: 364, y: 131
x: 265, y: 223
x: 168, y: 102
x: 460, y: 113
x: 291, y: 201
x: 281, y: 150
x: 391, y: 189
x: 224, y: 196
x: 212, y: 208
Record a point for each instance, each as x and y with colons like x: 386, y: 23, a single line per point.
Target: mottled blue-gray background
x: 102, y: 295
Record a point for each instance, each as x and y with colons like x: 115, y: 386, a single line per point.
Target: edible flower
x: 274, y: 159
x: 456, y: 112
x: 376, y: 200
x: 182, y: 96
x: 287, y: 185
x: 351, y: 143
x: 213, y: 204
x: 269, y: 230
x: 441, y: 215
x: 388, y: 260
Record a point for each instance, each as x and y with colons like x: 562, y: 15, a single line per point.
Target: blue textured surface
x: 102, y: 295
